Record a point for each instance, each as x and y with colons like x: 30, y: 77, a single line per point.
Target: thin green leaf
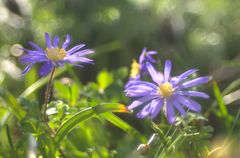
x: 9, y: 136
x: 13, y: 104
x: 117, y: 121
x: 110, y: 107
x: 39, y: 83
x: 231, y: 87
x: 222, y: 106
x: 85, y: 114
x: 68, y: 125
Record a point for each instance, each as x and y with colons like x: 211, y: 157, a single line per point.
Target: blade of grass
x: 85, y: 114
x: 9, y: 136
x: 117, y: 121
x: 231, y: 87
x: 13, y: 104
x: 227, y: 90
x: 219, y: 98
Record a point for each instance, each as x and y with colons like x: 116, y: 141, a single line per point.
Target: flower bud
x: 143, y: 149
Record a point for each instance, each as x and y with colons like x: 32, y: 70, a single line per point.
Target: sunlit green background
x: 202, y: 34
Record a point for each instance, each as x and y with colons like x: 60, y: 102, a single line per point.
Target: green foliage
x: 201, y: 34
x: 83, y: 115
x: 223, y: 109
x: 104, y: 80
x: 13, y: 104
x: 66, y: 117
x: 189, y: 138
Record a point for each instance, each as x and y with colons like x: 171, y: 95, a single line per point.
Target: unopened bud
x: 143, y: 149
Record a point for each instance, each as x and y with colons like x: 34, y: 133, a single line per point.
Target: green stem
x: 46, y: 99
x: 44, y: 108
x: 173, y: 147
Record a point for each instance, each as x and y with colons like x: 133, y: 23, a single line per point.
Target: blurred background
x: 202, y: 34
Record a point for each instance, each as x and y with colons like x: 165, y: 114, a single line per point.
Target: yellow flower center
x: 55, y: 54
x: 165, y: 89
x: 135, y: 69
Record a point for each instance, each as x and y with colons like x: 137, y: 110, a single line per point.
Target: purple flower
x: 146, y: 56
x: 53, y: 55
x: 167, y: 93
x: 138, y: 69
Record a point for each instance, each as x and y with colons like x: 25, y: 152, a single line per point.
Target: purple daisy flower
x: 146, y: 56
x: 139, y: 68
x: 167, y: 93
x: 54, y: 55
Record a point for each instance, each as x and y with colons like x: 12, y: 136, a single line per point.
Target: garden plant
x: 119, y: 79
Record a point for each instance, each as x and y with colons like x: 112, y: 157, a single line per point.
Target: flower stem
x: 46, y: 99
x: 44, y: 108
